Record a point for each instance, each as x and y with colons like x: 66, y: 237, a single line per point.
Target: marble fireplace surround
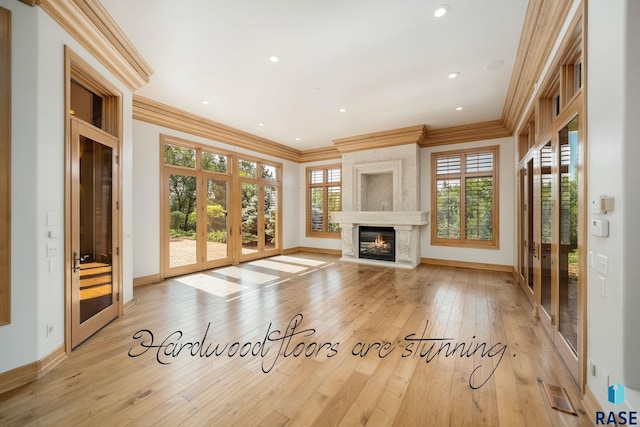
x: 381, y: 187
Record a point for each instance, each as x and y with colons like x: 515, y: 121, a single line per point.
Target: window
x: 465, y: 198
x: 324, y: 195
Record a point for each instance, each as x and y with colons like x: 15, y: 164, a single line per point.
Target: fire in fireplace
x: 377, y: 243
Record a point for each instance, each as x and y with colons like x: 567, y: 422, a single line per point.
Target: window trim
x: 325, y: 213
x: 494, y: 243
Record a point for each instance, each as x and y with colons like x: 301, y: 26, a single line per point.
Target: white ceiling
x: 386, y: 61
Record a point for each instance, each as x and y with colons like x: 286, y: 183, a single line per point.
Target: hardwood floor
x: 297, y: 329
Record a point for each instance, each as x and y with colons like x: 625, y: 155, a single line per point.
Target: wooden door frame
x: 5, y: 166
x: 574, y: 109
x: 575, y: 364
x: 234, y: 219
x: 75, y: 68
x: 199, y: 173
x: 526, y: 226
x: 262, y: 252
x: 90, y: 326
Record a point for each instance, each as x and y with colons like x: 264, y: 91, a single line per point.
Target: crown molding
x: 154, y: 112
x: 92, y: 26
x: 466, y: 133
x: 30, y: 2
x: 413, y: 134
x: 317, y: 154
x: 542, y: 25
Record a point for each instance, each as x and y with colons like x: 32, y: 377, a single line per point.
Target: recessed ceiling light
x: 342, y: 110
x: 458, y: 108
x: 297, y: 139
x: 260, y: 124
x: 454, y: 75
x: 205, y: 102
x: 441, y: 11
x: 274, y: 58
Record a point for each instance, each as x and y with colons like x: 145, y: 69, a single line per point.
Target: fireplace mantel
x: 381, y: 187
x: 382, y: 218
x: 406, y: 224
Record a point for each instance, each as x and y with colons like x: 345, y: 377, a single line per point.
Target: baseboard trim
x: 147, y: 280
x: 590, y: 402
x: 289, y: 251
x: 128, y: 306
x: 32, y: 371
x: 51, y: 360
x: 466, y: 264
x: 18, y: 376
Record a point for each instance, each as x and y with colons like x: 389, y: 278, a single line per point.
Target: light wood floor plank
x: 348, y: 306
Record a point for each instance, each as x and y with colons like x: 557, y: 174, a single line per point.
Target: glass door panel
x: 270, y: 217
x: 546, y: 222
x: 531, y: 243
x: 250, y: 218
x: 523, y: 224
x: 182, y: 220
x: 217, y: 216
x: 96, y: 228
x: 568, y: 258
x: 93, y: 230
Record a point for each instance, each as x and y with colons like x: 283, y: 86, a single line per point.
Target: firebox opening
x: 377, y: 243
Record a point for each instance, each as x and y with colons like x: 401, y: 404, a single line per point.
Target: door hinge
x: 553, y: 319
x: 118, y: 251
x: 117, y: 160
x: 117, y: 296
x: 118, y: 204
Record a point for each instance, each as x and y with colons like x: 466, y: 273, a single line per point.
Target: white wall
x: 37, y: 294
x: 19, y: 338
x: 146, y: 193
x: 507, y: 204
x: 613, y: 131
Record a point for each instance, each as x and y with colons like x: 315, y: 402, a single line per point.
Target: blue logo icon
x: 616, y: 394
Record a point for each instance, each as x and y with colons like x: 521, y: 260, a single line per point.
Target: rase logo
x: 616, y: 396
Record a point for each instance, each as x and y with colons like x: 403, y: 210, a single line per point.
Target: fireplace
x: 377, y: 243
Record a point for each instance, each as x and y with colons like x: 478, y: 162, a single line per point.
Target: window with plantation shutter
x: 324, y: 195
x: 464, y: 198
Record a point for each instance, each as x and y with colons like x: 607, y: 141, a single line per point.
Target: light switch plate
x: 601, y: 264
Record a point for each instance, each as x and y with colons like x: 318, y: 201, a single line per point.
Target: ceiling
x: 386, y: 62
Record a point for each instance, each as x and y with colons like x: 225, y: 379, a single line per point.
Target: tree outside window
x: 324, y: 195
x: 464, y: 198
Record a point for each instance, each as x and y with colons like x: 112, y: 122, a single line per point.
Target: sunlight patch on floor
x: 296, y: 260
x: 246, y: 275
x: 212, y: 285
x: 279, y: 266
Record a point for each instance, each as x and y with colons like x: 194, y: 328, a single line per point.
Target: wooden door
x: 94, y: 264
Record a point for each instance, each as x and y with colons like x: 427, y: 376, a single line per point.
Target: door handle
x: 76, y: 262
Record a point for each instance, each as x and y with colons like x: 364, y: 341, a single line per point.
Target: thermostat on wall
x: 600, y: 227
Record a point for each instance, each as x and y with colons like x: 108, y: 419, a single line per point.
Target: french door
x: 259, y: 220
x: 552, y: 236
x: 217, y: 209
x: 94, y: 228
x: 528, y: 251
x: 561, y: 218
x: 197, y: 224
